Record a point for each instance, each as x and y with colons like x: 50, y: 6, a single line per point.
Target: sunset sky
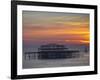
x: 55, y: 27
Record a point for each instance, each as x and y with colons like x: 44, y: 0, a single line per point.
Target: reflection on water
x: 81, y: 61
x: 54, y: 55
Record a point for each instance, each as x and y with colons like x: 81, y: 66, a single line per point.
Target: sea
x: 82, y: 60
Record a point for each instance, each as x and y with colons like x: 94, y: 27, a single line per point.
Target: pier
x: 51, y: 51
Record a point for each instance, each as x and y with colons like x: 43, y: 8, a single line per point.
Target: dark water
x: 82, y: 60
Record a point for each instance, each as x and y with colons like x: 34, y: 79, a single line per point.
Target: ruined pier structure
x: 51, y: 51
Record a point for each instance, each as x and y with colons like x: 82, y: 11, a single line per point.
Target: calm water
x: 82, y: 60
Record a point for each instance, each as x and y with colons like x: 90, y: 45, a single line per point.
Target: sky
x: 55, y: 27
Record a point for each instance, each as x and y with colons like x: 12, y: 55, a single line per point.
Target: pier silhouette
x: 51, y: 51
